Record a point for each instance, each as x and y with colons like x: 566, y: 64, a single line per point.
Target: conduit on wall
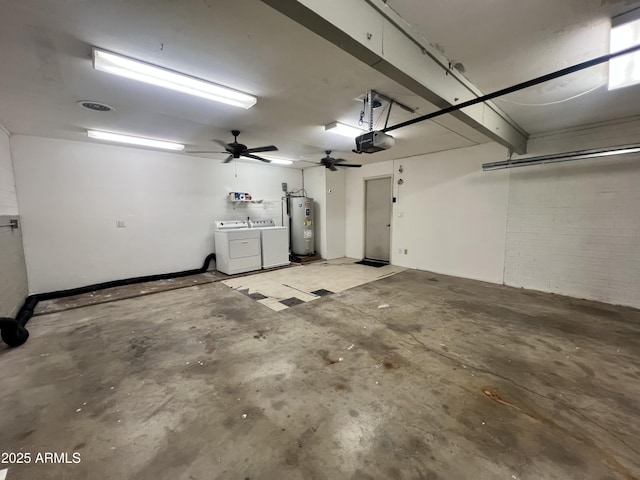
x: 13, y: 331
x: 563, y: 157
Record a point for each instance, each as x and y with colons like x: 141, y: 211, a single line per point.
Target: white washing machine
x: 275, y: 242
x: 237, y: 247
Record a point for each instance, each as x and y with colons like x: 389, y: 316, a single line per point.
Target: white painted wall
x: 8, y: 197
x: 72, y: 193
x: 315, y: 184
x: 328, y: 191
x: 453, y: 215
x: 574, y: 228
x: 335, y: 218
x: 449, y: 216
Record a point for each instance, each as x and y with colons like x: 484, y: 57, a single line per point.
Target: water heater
x: 301, y: 214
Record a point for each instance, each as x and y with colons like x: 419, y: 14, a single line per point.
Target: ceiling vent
x: 96, y: 106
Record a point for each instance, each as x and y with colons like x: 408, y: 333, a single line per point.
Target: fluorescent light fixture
x: 276, y: 160
x: 343, y: 129
x: 563, y: 157
x: 161, y: 77
x: 145, y: 142
x: 625, y: 33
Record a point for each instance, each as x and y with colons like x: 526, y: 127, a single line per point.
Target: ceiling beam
x: 374, y: 34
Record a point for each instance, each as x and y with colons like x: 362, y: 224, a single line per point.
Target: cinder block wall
x: 574, y: 228
x: 13, y: 274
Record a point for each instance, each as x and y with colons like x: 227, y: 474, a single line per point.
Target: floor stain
x: 139, y: 346
x: 210, y: 344
x: 553, y: 452
x: 327, y: 359
x: 497, y: 398
x: 306, y: 436
x: 588, y: 370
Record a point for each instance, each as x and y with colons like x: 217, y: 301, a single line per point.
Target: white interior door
x: 377, y: 241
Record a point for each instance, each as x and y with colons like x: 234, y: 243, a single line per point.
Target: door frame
x: 364, y: 213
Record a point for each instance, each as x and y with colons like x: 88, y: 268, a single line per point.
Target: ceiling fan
x: 237, y: 150
x: 331, y: 163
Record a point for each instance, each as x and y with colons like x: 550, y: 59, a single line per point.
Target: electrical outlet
x: 406, y: 251
x: 284, y: 187
x: 121, y: 224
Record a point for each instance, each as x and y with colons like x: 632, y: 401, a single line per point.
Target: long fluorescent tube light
x: 563, y: 157
x: 145, y: 142
x: 624, y: 71
x: 343, y: 129
x: 161, y: 77
x: 625, y: 32
x: 276, y: 160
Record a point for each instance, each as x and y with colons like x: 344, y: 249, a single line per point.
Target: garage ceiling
x: 505, y: 42
x: 302, y: 81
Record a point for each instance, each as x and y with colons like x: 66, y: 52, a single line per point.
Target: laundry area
x: 309, y: 240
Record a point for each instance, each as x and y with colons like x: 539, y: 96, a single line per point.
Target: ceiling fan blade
x: 338, y: 160
x: 221, y: 143
x: 255, y: 157
x: 349, y: 165
x: 228, y: 159
x: 203, y: 151
x: 266, y: 148
x: 332, y: 168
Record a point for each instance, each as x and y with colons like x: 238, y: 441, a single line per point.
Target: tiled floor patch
x: 254, y: 296
x: 285, y: 288
x: 291, y: 302
x: 322, y: 292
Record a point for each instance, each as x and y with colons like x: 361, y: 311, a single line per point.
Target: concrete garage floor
x: 456, y: 379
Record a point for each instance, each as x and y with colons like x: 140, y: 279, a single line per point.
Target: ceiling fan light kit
x: 131, y: 140
x: 144, y: 72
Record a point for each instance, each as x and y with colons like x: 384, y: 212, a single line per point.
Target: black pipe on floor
x: 13, y: 331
